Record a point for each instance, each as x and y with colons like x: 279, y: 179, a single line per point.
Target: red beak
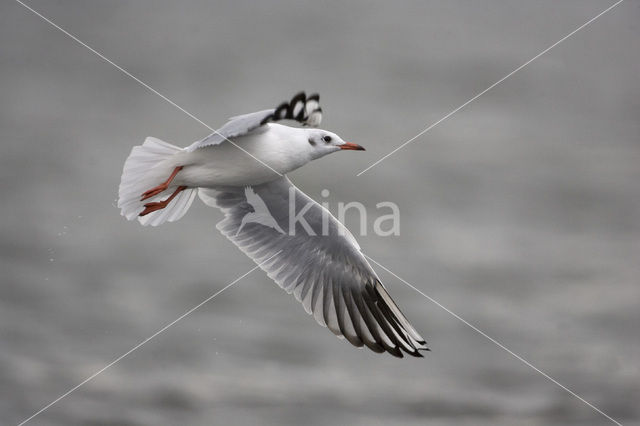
x: 352, y: 147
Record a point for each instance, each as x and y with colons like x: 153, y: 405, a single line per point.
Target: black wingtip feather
x: 296, y: 109
x: 391, y: 325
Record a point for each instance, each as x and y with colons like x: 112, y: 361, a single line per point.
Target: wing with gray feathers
x: 325, y: 271
x: 305, y: 110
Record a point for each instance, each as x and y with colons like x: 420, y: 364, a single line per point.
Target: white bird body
x: 241, y: 169
x: 279, y: 148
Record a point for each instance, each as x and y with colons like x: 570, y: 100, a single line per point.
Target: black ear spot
x: 312, y: 142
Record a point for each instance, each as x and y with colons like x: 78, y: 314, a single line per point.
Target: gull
x: 241, y: 170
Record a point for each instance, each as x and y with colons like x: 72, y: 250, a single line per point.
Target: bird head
x: 322, y: 142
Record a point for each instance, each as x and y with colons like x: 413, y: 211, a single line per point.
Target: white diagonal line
x: 497, y: 343
x: 142, y: 83
x: 491, y: 87
x: 94, y: 375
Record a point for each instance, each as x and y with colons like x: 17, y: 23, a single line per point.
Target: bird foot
x: 159, y: 205
x: 152, y: 207
x: 162, y: 187
x: 154, y: 191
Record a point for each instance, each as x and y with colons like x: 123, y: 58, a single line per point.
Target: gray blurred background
x: 521, y: 213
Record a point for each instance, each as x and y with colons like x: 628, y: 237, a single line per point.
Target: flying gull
x: 241, y: 170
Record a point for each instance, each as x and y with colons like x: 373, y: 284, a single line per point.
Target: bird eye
x: 327, y: 139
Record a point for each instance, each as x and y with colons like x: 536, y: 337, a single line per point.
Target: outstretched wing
x: 320, y: 262
x: 305, y: 110
x: 255, y: 201
x: 260, y: 213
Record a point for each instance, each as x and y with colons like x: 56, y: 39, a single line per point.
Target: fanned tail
x: 145, y: 168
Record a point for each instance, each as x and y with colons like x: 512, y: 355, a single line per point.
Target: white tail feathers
x: 147, y: 167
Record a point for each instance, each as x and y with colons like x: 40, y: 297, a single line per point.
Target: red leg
x: 162, y: 187
x: 159, y: 205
